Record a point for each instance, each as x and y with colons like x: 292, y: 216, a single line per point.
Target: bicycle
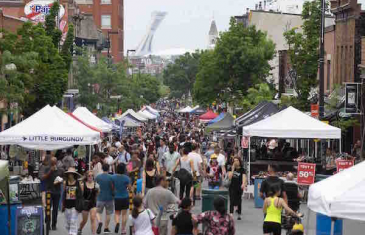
x: 291, y: 222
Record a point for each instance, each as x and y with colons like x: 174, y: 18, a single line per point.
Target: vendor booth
x: 48, y: 129
x: 226, y: 123
x: 86, y: 116
x: 147, y: 114
x: 263, y: 110
x: 340, y: 196
x: 206, y: 117
x: 131, y: 114
x: 288, y: 124
x: 187, y: 109
x: 217, y: 119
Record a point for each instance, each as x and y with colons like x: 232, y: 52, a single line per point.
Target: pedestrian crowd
x: 136, y: 179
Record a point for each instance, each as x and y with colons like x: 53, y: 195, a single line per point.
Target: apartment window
x: 106, y: 21
x: 105, y: 1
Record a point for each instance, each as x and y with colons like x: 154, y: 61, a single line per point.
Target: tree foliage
x: 180, y: 75
x: 304, y: 51
x: 239, y: 61
x: 99, y: 82
x: 255, y: 95
x: 45, y: 73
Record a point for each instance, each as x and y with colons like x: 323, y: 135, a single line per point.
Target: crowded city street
x: 182, y: 117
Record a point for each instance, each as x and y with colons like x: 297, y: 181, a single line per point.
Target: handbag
x: 80, y: 199
x: 226, y: 181
x: 155, y: 229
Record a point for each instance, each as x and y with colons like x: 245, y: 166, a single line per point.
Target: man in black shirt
x: 53, y: 180
x: 273, y: 179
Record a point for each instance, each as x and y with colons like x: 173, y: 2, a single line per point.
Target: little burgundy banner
x: 48, y: 139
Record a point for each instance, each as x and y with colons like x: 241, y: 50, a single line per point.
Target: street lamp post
x: 321, y: 61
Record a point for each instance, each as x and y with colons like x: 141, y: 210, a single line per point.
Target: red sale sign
x: 306, y: 173
x: 344, y: 164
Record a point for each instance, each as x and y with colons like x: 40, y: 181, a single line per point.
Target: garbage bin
x: 259, y: 203
x: 324, y: 225
x: 4, y: 217
x: 208, y: 196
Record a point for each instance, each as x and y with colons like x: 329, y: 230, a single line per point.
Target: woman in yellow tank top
x: 273, y: 206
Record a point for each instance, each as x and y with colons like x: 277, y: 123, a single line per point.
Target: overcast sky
x: 187, y: 23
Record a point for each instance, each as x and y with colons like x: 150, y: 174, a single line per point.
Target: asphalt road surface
x: 251, y: 223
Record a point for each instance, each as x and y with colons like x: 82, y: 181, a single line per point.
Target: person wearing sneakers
x: 121, y: 198
x: 105, y: 198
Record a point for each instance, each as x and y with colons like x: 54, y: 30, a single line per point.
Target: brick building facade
x: 109, y: 17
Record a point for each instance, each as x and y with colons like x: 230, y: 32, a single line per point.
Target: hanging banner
x: 306, y: 173
x: 352, y: 98
x: 315, y: 110
x: 344, y: 164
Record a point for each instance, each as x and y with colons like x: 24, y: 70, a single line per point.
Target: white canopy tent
x: 91, y: 119
x: 341, y: 195
x: 147, y: 114
x: 187, y: 109
x: 292, y: 123
x: 133, y: 114
x: 128, y: 122
x: 154, y: 111
x: 49, y: 129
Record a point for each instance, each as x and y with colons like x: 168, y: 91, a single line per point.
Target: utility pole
x: 321, y: 61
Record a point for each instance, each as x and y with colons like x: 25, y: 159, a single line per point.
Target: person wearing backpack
x: 141, y: 219
x: 185, y: 174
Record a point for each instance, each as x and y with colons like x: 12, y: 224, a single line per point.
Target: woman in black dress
x: 238, y: 184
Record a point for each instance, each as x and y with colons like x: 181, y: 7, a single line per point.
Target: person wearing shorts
x: 121, y: 198
x: 90, y: 193
x: 105, y: 198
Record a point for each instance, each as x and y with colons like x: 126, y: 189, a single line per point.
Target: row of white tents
x: 51, y: 128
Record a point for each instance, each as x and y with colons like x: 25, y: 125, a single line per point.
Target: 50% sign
x: 306, y: 173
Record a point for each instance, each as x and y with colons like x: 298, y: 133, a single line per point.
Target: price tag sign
x: 344, y: 164
x: 306, y: 173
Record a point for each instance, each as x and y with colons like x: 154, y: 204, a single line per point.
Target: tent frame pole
x: 333, y: 226
x: 249, y: 161
x: 340, y: 147
x: 90, y: 157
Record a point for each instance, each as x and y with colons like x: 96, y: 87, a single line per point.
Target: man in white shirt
x: 109, y: 160
x: 123, y: 156
x: 198, y: 165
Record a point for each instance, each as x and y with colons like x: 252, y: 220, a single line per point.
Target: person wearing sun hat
x: 72, y: 193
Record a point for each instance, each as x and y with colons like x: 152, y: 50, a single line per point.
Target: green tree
x: 180, y: 75
x: 147, y: 86
x: 15, y: 78
x: 239, y: 61
x: 42, y: 71
x: 66, y: 52
x: 261, y: 92
x: 304, y: 52
x: 50, y: 24
x: 47, y: 81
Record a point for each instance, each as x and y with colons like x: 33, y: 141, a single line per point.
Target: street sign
x: 352, y: 98
x: 306, y: 173
x: 343, y: 164
x: 315, y: 110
